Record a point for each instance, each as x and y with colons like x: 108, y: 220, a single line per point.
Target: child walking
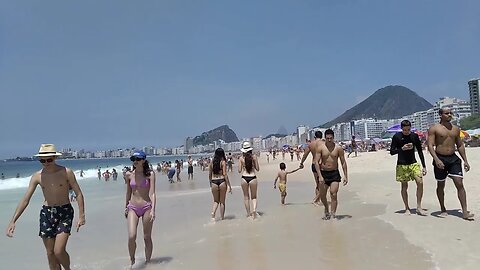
x: 282, y: 185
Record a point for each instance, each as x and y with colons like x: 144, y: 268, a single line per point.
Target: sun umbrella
x: 464, y: 134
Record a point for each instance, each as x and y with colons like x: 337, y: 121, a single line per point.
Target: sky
x: 110, y: 74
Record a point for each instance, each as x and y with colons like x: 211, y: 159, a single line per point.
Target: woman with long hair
x: 140, y: 203
x: 247, y: 166
x: 219, y: 182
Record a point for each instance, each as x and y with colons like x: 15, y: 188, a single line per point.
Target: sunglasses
x: 447, y: 113
x: 136, y: 158
x: 46, y: 160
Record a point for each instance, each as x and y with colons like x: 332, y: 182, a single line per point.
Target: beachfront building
x: 343, y: 131
x: 423, y: 120
x: 473, y: 87
x: 302, y: 133
x: 188, y: 144
x: 371, y: 128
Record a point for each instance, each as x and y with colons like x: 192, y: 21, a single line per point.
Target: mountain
x: 393, y: 101
x: 277, y: 135
x: 282, y: 130
x: 220, y: 133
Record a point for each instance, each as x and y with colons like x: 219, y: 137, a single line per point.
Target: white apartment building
x: 473, y: 87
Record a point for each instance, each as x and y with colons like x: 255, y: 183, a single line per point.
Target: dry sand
x: 370, y: 234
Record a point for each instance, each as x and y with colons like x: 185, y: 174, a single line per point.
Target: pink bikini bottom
x: 140, y: 210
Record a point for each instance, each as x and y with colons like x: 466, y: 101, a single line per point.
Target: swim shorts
x: 282, y: 188
x: 55, y: 220
x: 408, y: 172
x: 453, y: 167
x: 331, y: 176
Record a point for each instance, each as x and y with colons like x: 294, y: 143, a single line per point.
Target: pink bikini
x: 139, y: 210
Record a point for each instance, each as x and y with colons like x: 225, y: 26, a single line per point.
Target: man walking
x: 404, y: 144
x: 442, y: 139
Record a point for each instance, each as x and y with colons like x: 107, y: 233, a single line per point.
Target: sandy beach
x: 371, y: 232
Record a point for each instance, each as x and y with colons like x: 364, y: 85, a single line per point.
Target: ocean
x: 25, y: 169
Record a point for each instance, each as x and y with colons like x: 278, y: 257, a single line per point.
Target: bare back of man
x: 314, y: 147
x: 443, y: 140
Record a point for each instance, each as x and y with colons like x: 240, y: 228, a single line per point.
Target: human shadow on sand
x: 340, y: 217
x: 453, y: 212
x: 299, y: 203
x: 153, y: 261
x: 413, y: 211
x: 230, y: 217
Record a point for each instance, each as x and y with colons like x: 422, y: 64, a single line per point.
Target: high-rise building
x: 474, y: 102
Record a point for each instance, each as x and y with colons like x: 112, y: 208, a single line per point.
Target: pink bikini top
x: 144, y: 184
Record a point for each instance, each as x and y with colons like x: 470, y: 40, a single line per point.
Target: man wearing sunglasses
x: 56, y: 215
x: 446, y: 139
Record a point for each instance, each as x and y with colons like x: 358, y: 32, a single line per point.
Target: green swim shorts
x: 407, y: 173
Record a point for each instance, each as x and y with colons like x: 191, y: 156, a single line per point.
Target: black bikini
x: 218, y: 182
x: 248, y: 178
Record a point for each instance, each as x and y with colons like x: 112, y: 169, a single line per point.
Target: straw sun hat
x: 246, y: 146
x: 47, y: 150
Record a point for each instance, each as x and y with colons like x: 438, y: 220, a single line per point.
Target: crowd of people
x: 56, y: 216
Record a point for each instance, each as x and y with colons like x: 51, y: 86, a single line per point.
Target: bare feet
x: 254, y: 214
x: 327, y: 216
x: 333, y: 216
x: 407, y: 212
x: 132, y: 262
x: 419, y: 211
x: 468, y: 216
x: 315, y: 203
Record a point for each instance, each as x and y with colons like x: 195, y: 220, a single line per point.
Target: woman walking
x: 247, y: 166
x: 140, y: 203
x: 219, y: 182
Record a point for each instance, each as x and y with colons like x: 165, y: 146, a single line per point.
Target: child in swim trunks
x: 282, y: 185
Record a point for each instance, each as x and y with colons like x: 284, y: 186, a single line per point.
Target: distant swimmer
x: 18, y: 175
x: 404, y: 144
x: 140, y: 204
x: 3, y: 176
x: 56, y: 215
x: 217, y: 174
x: 282, y: 181
x: 106, y: 175
x: 82, y: 173
x: 170, y: 173
x: 114, y: 174
x: 442, y: 139
x: 99, y: 174
x: 247, y: 166
x: 314, y: 147
x: 190, y: 168
x: 329, y: 176
x: 179, y: 168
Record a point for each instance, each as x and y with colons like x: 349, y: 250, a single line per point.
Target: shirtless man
x: 354, y: 147
x: 190, y: 168
x: 56, y: 215
x: 314, y: 147
x: 326, y: 161
x: 445, y: 136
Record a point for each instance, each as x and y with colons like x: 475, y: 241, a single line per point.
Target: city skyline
x: 151, y: 72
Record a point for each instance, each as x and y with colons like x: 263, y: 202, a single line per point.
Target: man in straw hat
x: 56, y: 215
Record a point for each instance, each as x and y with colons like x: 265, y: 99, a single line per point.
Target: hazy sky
x: 106, y: 74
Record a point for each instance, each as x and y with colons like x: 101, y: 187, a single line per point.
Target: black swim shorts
x: 190, y: 169
x: 55, y: 220
x: 453, y: 167
x: 314, y: 170
x: 331, y: 176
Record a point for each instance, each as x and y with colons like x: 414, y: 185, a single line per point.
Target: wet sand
x: 369, y: 234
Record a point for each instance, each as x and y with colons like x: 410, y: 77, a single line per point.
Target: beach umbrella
x: 398, y: 128
x: 464, y: 134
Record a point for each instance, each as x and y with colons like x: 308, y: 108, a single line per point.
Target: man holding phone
x: 403, y: 144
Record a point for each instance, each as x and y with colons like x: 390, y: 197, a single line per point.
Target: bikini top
x: 144, y: 184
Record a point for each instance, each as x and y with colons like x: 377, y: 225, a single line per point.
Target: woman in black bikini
x: 247, y: 166
x: 219, y: 181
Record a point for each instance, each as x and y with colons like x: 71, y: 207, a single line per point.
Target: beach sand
x: 370, y: 233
